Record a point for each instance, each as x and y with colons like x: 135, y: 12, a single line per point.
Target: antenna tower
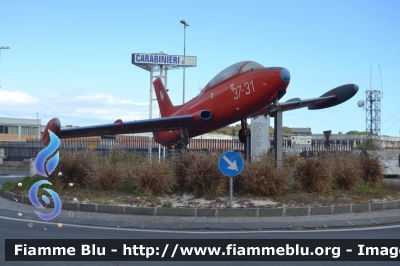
x: 373, y: 111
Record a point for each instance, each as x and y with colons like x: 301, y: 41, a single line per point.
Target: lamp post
x: 37, y: 123
x: 6, y: 47
x: 1, y: 48
x: 184, y: 55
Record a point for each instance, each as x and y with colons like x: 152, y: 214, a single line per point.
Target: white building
x: 19, y: 128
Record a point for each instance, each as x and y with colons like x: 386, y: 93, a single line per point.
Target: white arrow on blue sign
x: 230, y: 163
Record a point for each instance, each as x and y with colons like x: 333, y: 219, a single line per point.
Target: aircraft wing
x: 331, y: 98
x: 149, y: 125
x: 119, y: 127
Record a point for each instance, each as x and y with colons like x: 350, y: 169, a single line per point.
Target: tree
x: 286, y: 130
x: 370, y: 144
x: 228, y: 130
x: 355, y: 132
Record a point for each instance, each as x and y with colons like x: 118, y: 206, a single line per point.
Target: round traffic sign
x: 230, y: 163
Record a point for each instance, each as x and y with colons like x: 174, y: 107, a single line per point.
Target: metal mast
x: 373, y: 111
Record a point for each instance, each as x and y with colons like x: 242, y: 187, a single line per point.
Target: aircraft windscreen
x: 226, y: 73
x: 250, y: 65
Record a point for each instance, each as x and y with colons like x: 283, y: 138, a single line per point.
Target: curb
x: 215, y: 212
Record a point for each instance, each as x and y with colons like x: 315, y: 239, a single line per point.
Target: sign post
x: 230, y: 164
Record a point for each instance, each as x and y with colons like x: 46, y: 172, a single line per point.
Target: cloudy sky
x: 72, y: 59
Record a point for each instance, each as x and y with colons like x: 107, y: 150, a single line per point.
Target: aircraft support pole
x: 278, y: 150
x: 247, y: 146
x: 231, y: 190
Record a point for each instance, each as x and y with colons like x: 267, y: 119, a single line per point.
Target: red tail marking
x: 166, y: 107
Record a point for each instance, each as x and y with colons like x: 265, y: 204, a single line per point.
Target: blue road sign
x: 230, y: 163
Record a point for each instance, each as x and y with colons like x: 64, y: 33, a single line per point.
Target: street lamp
x: 37, y: 123
x: 184, y: 56
x: 1, y: 48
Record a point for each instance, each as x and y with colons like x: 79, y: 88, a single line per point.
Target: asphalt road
x: 11, y: 175
x: 14, y: 172
x: 14, y: 228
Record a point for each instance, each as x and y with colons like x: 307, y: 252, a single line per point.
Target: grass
x: 167, y: 204
x: 26, y: 182
x: 370, y: 190
x: 291, y: 198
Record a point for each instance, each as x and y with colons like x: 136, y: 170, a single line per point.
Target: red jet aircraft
x: 243, y: 90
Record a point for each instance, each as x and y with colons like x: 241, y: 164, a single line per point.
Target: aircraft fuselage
x: 235, y: 98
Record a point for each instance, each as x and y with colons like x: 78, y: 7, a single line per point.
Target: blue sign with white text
x: 230, y: 163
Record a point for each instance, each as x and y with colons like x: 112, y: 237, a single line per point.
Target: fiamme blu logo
x: 45, y: 169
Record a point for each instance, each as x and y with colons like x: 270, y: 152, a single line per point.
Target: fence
x: 20, y: 150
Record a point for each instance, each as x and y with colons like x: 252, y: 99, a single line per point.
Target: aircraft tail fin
x: 166, y: 107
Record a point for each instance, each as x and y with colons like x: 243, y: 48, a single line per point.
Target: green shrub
x: 180, y: 163
x: 118, y: 170
x: 77, y: 167
x: 289, y: 162
x: 110, y: 176
x: 345, y: 169
x: 119, y: 155
x: 372, y: 170
x: 155, y: 177
x: 203, y: 176
x: 262, y: 178
x: 313, y: 175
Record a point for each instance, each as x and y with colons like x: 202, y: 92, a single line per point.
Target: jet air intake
x: 201, y: 116
x: 205, y: 114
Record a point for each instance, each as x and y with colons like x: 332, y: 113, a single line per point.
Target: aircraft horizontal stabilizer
x: 342, y: 93
x: 119, y: 127
x: 298, y: 103
x: 331, y: 98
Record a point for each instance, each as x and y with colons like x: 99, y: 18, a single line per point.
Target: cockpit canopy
x: 233, y: 70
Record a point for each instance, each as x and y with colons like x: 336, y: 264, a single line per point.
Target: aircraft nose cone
x: 285, y: 75
x: 356, y: 87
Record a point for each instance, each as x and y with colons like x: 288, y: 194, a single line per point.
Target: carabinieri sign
x: 163, y: 59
